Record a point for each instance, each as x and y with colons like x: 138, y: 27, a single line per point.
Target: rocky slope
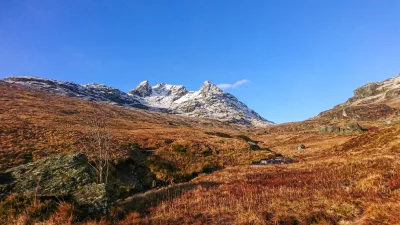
x: 93, y: 92
x: 209, y: 102
x: 370, y: 102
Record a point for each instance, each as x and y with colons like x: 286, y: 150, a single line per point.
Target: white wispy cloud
x: 234, y: 85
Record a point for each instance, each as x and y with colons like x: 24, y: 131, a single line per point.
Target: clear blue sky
x: 301, y: 57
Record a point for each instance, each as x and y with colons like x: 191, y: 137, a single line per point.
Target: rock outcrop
x: 352, y: 127
x: 373, y: 101
x: 62, y: 176
x: 329, y: 129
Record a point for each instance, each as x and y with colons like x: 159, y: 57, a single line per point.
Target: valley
x: 182, y: 169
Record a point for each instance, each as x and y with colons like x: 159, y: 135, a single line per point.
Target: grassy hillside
x: 34, y: 125
x: 337, y: 179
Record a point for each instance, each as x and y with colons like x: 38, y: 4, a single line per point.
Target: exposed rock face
x: 365, y: 91
x: 143, y: 89
x: 370, y: 102
x: 63, y: 176
x: 209, y: 102
x: 393, y: 94
x: 362, y: 112
x: 375, y: 92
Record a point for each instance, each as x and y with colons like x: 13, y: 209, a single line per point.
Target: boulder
x: 55, y: 176
x: 354, y: 127
x: 329, y: 129
x: 62, y: 176
x: 92, y: 199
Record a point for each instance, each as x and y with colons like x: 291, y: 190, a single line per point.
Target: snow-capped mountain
x: 209, y: 102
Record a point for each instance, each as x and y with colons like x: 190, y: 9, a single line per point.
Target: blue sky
x: 294, y: 58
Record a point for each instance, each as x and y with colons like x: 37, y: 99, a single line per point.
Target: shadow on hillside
x: 141, y: 202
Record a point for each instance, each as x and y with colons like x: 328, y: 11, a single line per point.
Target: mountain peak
x: 143, y: 89
x: 209, y: 87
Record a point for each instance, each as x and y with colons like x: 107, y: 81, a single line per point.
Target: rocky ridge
x: 209, y: 102
x: 370, y: 102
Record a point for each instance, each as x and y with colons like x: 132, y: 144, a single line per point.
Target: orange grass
x: 338, y: 179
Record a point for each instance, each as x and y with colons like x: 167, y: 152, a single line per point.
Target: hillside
x: 174, y: 169
x: 36, y: 125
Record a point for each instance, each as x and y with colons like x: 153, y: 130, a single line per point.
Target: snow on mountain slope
x: 95, y: 92
x: 209, y: 102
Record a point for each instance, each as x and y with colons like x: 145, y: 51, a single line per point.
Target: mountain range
x: 209, y: 102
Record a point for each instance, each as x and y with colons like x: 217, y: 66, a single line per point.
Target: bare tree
x: 97, y: 146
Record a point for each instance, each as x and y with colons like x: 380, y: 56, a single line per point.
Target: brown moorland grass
x: 34, y: 125
x: 337, y: 179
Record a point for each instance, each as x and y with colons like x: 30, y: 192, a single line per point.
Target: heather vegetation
x: 190, y: 171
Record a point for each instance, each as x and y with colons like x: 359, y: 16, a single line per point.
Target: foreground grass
x: 353, y: 183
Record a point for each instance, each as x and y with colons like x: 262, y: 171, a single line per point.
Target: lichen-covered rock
x: 354, y: 127
x: 92, y: 199
x: 329, y: 129
x: 63, y: 176
x: 55, y: 176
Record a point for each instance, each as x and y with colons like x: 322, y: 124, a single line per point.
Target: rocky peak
x: 178, y: 90
x: 210, y: 88
x: 143, y: 89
